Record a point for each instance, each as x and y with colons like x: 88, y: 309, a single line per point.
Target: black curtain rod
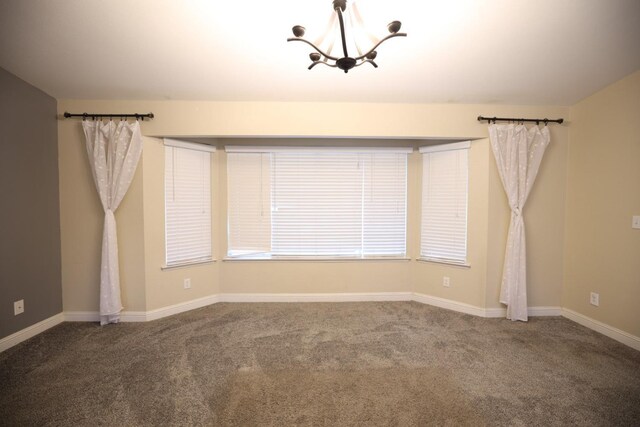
x: 509, y: 119
x: 94, y: 115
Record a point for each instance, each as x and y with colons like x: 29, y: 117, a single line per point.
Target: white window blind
x: 249, y: 203
x: 322, y: 202
x: 444, y: 202
x: 187, y: 202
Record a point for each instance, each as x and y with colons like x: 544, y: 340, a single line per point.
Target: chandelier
x: 345, y: 62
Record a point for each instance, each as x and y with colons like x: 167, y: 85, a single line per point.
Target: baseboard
x: 479, y: 311
x: 81, y: 316
x: 544, y: 311
x: 609, y: 331
x: 449, y: 304
x: 531, y: 312
x: 31, y: 331
x: 320, y: 297
x: 495, y: 312
x: 144, y: 316
x: 179, y: 308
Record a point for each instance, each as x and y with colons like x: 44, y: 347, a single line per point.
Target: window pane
x: 187, y: 205
x: 317, y: 204
x: 384, y: 204
x: 323, y: 202
x: 444, y: 205
x: 249, y: 199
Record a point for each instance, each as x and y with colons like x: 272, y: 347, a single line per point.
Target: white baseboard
x: 31, y: 331
x: 178, y: 308
x: 142, y: 316
x: 544, y: 311
x: 322, y: 297
x: 449, y: 304
x: 531, y: 312
x: 479, y: 311
x: 81, y: 316
x: 609, y: 331
x: 495, y: 312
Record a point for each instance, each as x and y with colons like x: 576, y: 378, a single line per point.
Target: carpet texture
x: 389, y: 363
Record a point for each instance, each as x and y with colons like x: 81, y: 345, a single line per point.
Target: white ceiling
x: 550, y: 52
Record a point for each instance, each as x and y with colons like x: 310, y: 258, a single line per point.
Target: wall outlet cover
x: 187, y: 283
x: 446, y: 282
x: 594, y: 299
x: 635, y: 222
x: 18, y: 307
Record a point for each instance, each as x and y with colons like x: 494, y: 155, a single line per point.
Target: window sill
x: 316, y: 259
x: 444, y: 261
x: 187, y: 264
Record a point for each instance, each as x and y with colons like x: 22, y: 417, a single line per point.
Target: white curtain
x: 518, y: 153
x: 114, y: 148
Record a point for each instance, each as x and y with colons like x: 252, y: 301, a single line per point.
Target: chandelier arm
x: 368, y: 61
x: 293, y: 39
x: 321, y: 62
x: 344, y: 39
x: 390, y: 36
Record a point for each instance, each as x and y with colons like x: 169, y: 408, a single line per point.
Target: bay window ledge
x: 187, y: 264
x: 262, y: 258
x: 451, y: 263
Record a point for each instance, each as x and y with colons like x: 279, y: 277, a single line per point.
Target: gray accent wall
x: 29, y: 205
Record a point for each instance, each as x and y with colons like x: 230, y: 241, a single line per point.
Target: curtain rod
x: 94, y: 115
x: 508, y: 119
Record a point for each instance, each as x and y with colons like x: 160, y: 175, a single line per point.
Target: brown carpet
x: 392, y: 363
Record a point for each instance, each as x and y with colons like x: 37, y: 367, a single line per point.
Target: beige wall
x: 467, y: 284
x: 166, y: 287
x: 141, y: 218
x: 602, y: 252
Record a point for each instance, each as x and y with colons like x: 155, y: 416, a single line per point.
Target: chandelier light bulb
x: 394, y: 27
x: 299, y: 30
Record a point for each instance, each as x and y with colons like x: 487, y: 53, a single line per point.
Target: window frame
x: 204, y: 148
x: 447, y: 147
x: 268, y: 256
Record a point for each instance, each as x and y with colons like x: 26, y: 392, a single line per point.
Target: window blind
x: 249, y: 203
x: 444, y: 202
x: 384, y: 203
x: 323, y: 202
x: 187, y: 202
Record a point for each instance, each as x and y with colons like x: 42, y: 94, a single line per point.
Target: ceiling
x: 544, y: 52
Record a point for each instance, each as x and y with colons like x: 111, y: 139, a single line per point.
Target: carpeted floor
x: 392, y: 363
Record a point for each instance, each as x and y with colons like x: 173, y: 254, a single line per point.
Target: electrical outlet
x: 595, y: 299
x: 635, y: 222
x: 187, y: 283
x: 446, y: 282
x: 18, y: 307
